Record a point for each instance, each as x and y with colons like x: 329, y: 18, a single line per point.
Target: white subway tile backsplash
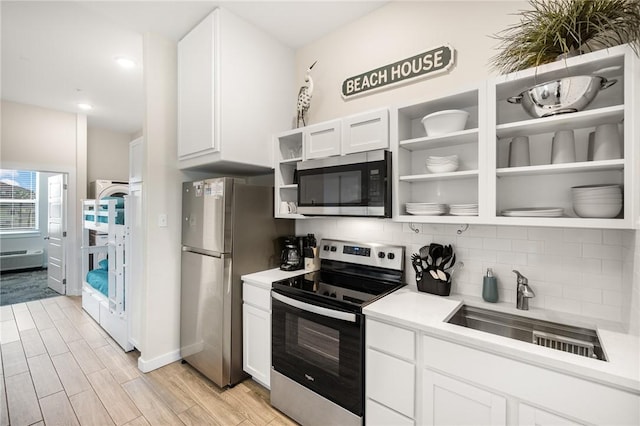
x: 572, y: 235
x: 602, y: 251
x: 526, y: 246
x: 596, y: 310
x: 511, y: 258
x: 591, y: 272
x: 512, y: 232
x: 612, y: 237
x: 545, y: 234
x: 496, y: 244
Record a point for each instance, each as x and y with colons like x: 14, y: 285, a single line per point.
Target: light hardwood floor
x: 60, y: 368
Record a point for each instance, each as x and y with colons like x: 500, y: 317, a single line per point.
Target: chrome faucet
x: 524, y: 292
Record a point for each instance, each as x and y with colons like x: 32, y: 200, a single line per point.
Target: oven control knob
x: 391, y: 256
x: 334, y: 248
x: 325, y: 248
x: 333, y: 295
x: 381, y: 255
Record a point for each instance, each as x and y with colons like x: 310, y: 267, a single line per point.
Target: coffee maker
x: 292, y: 258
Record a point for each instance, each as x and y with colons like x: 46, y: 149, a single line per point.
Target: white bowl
x: 443, y: 122
x: 597, y: 210
x: 588, y: 198
x: 442, y: 168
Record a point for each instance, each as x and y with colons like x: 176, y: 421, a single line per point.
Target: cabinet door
x: 322, y: 140
x: 531, y: 416
x: 390, y: 381
x: 365, y: 132
x: 256, y: 355
x: 196, y: 90
x: 446, y: 401
x: 379, y: 415
x: 136, y: 159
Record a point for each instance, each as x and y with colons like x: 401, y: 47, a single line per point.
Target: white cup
x: 293, y: 207
x: 590, y: 144
x: 563, y: 147
x: 286, y: 207
x: 519, y: 152
x: 607, y: 143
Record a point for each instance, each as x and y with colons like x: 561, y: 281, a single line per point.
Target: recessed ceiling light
x: 125, y: 62
x: 85, y: 107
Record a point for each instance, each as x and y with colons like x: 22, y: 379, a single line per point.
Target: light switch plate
x: 162, y: 220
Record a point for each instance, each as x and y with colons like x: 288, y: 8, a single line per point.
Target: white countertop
x: 428, y: 313
x: 265, y: 278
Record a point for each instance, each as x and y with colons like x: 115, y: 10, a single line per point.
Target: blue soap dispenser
x: 490, y: 287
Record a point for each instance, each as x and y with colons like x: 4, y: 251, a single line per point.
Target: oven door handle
x: 339, y: 315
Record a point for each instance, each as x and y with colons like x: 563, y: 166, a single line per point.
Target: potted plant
x: 560, y: 28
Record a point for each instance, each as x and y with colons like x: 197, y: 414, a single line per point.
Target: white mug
x: 519, y: 152
x: 607, y: 143
x: 563, y: 147
x: 287, y: 207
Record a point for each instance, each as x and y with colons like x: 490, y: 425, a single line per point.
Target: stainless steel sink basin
x: 579, y: 341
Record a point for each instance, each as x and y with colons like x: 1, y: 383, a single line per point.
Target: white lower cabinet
x: 256, y: 332
x: 414, y: 378
x: 447, y: 401
x: 532, y: 416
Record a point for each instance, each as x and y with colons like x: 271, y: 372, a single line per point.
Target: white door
x: 56, y: 233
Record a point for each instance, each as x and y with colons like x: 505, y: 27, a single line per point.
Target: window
x: 18, y: 200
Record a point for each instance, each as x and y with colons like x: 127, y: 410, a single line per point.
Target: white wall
x: 397, y: 31
x: 35, y: 138
x: 162, y: 191
x: 107, y: 155
x: 586, y: 272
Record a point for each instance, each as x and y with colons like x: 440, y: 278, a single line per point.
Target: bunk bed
x: 104, y: 287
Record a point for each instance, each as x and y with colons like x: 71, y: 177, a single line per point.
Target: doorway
x: 33, y: 225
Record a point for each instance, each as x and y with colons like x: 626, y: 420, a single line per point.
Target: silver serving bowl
x: 570, y: 94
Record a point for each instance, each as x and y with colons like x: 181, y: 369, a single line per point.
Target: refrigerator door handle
x: 203, y: 252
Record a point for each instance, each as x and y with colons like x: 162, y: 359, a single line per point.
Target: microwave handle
x: 325, y: 312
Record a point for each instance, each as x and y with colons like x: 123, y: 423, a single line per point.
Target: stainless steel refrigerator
x: 228, y: 230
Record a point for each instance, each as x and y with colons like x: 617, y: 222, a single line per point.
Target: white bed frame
x: 110, y: 312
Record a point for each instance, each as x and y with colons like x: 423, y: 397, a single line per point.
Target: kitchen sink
x: 575, y: 340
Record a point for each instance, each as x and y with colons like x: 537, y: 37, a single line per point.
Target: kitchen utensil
x: 424, y: 253
x: 441, y: 275
x: 443, y: 122
x: 563, y: 147
x: 449, y: 264
x: 416, y: 262
x: 434, y: 274
x: 519, y: 155
x: 607, y: 144
x: 435, y: 252
x: 569, y: 94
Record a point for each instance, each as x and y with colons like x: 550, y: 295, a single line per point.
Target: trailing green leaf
x: 566, y: 27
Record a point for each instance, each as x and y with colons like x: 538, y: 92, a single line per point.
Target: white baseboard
x: 149, y: 365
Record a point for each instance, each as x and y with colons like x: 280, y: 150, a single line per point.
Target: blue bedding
x: 99, y: 279
x: 104, y: 219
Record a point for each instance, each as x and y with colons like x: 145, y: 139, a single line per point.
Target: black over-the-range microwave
x: 349, y: 185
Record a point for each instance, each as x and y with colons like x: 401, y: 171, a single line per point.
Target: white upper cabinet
x: 322, y: 139
x: 365, y: 132
x: 235, y: 90
x: 362, y: 132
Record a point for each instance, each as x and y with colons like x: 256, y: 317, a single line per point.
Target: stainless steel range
x: 317, y: 331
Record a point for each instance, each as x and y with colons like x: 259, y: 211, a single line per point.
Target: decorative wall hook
x: 463, y: 229
x: 413, y: 228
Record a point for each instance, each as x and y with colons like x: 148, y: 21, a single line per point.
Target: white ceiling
x: 57, y: 54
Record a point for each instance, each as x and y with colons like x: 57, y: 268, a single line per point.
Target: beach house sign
x: 431, y: 62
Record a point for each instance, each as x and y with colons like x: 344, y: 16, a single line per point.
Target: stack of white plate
x: 445, y: 164
x: 534, y: 212
x: 463, y: 209
x: 426, y: 209
x: 597, y: 200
